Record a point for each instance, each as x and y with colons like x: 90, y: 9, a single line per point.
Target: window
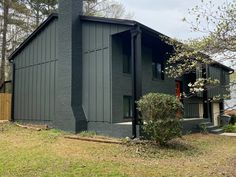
x: 158, y: 70
x: 126, y: 58
x: 127, y: 107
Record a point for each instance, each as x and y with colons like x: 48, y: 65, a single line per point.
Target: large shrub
x: 161, y: 115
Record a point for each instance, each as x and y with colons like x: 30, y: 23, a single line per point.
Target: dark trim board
x: 108, y: 20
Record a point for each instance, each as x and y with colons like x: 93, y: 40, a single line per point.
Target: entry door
x: 178, y: 89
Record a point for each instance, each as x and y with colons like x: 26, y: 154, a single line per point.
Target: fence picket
x: 5, y: 106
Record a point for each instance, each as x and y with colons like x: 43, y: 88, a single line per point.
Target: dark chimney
x: 69, y: 112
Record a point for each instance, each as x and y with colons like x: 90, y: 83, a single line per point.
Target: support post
x: 205, y: 95
x: 136, y: 57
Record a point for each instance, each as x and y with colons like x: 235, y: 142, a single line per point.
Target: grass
x: 30, y: 153
x: 230, y: 128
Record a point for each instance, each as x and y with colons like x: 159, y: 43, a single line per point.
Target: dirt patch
x: 94, y: 139
x: 34, y: 127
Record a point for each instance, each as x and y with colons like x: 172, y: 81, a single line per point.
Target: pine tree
x: 12, y: 14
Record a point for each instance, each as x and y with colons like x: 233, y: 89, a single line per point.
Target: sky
x: 164, y: 16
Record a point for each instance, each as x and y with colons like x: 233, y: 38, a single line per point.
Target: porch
x: 138, y: 59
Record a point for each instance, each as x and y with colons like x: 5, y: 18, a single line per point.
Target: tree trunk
x: 4, y: 38
x: 37, y: 14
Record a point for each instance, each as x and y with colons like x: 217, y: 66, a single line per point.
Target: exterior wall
x: 166, y: 86
x: 223, y: 77
x: 114, y: 130
x: 122, y: 83
x: 35, y: 76
x: 97, y: 70
x: 192, y: 125
x: 193, y: 108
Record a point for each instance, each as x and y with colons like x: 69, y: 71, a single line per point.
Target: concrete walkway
x: 229, y: 134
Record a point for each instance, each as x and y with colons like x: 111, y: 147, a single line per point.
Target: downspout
x: 134, y: 119
x: 136, y: 63
x: 13, y: 90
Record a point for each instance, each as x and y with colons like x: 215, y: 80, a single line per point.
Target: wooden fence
x: 5, y: 106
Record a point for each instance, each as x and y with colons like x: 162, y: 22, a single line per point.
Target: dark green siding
x: 97, y: 70
x: 222, y: 75
x: 193, y: 108
x: 122, y: 83
x: 35, y: 78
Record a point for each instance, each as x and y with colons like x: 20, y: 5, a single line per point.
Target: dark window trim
x: 155, y: 74
x: 126, y: 55
x: 130, y: 107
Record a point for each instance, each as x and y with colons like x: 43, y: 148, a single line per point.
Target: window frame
x: 126, y: 58
x: 158, y: 75
x: 130, y: 107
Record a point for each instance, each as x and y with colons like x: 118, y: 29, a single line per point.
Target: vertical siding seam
x: 110, y: 99
x: 111, y: 75
x: 103, y: 83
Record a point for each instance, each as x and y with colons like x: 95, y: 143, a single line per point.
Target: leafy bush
x: 161, y: 114
x: 203, y: 128
x: 230, y: 128
x: 232, y: 119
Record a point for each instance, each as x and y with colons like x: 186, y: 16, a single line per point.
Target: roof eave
x: 130, y: 23
x: 108, y: 20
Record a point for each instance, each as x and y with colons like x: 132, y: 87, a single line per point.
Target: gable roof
x: 33, y: 35
x: 124, y: 22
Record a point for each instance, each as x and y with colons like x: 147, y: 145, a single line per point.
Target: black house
x: 77, y: 73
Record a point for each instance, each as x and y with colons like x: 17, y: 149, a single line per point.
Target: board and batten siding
x: 193, y: 107
x: 221, y: 75
x: 35, y: 75
x: 96, y: 48
x: 122, y: 83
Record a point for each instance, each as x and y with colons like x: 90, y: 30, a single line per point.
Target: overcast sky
x: 164, y: 16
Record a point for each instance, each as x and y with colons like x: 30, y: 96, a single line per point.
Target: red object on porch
x: 178, y: 89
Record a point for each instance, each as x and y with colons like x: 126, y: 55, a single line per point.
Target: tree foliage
x: 105, y: 8
x: 217, y: 24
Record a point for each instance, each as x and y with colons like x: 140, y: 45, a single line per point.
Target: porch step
x: 217, y: 131
x: 212, y: 128
x: 206, y: 124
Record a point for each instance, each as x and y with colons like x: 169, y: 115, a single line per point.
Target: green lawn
x: 29, y: 153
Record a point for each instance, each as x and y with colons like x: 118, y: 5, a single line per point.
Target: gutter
x: 232, y: 72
